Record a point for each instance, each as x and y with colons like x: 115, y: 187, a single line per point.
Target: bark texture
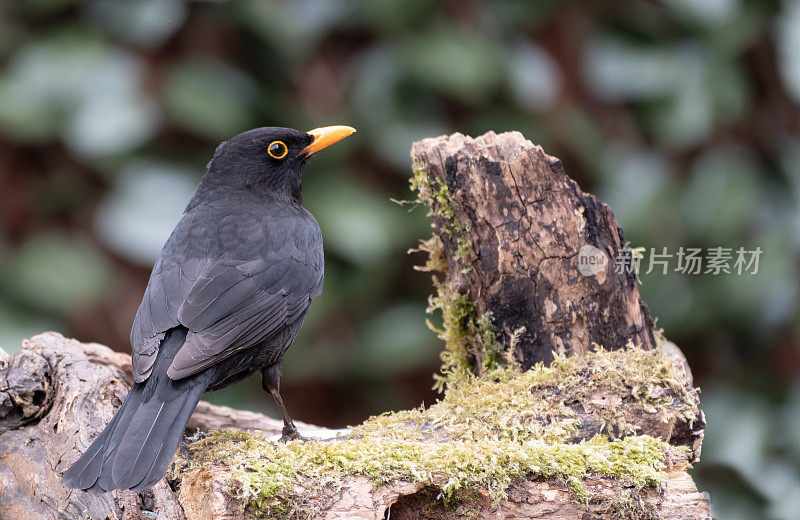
x: 513, y: 226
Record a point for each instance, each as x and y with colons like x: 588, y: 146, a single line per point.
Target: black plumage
x: 226, y: 298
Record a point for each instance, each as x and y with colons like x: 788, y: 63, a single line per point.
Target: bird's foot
x: 186, y: 440
x: 290, y: 433
x: 197, y: 436
x: 184, y: 447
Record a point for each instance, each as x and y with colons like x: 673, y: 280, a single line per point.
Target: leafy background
x: 681, y: 114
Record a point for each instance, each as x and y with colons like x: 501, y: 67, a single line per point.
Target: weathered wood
x: 358, y: 499
x: 83, y: 384
x: 56, y: 396
x: 513, y: 225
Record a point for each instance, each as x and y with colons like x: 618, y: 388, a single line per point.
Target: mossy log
x: 56, y: 395
x: 590, y: 433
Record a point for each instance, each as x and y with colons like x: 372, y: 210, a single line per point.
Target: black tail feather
x: 136, y: 447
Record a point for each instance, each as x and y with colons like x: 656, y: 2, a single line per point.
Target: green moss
x: 435, y: 194
x: 631, y: 505
x: 471, y: 343
x: 482, y: 435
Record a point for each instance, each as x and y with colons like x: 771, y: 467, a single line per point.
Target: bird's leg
x: 184, y: 446
x: 199, y: 435
x: 271, y: 382
x: 186, y: 440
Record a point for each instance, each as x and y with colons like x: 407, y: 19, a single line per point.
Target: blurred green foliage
x: 681, y: 114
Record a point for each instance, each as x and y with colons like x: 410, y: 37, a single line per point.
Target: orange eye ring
x: 277, y: 149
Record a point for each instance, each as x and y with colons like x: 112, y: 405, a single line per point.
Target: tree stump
x: 515, y: 229
x: 602, y: 434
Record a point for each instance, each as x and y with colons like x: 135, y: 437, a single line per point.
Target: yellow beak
x: 326, y: 136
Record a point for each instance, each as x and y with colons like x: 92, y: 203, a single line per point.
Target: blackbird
x: 226, y: 297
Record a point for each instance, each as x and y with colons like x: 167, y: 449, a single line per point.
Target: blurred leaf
x: 58, y: 272
x: 619, y: 71
x: 788, y: 47
x: 787, y: 504
x: 780, y: 484
x: 16, y: 325
x: 112, y: 124
x: 583, y: 135
x: 736, y: 34
x: 145, y: 23
x: 638, y: 187
x: 392, y: 16
x: 209, y: 98
x: 739, y: 430
x: 721, y: 195
x: 394, y: 341
x: 389, y: 125
x: 671, y: 297
x: 26, y: 116
x: 731, y: 499
x: 534, y: 77
x: 294, y: 27
x: 357, y: 225
x: 147, y: 200
x: 707, y: 12
x: 686, y: 118
x: 524, y: 15
x: 394, y: 139
x: 729, y: 91
x: 763, y: 301
x: 42, y: 80
x: 76, y: 86
x: 374, y: 89
x: 463, y: 65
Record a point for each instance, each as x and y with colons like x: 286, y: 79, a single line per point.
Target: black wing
x: 227, y: 304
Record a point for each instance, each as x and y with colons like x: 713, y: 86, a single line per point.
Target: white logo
x: 591, y: 260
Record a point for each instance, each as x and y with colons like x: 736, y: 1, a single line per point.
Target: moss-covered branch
x: 486, y: 433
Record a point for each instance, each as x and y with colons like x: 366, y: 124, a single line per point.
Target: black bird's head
x: 264, y: 161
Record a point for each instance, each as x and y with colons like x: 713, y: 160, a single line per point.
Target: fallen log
x: 537, y: 420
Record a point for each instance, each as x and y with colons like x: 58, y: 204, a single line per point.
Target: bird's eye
x: 277, y: 149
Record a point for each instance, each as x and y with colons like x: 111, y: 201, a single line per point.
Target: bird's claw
x: 291, y: 434
x: 186, y: 440
x: 197, y: 436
